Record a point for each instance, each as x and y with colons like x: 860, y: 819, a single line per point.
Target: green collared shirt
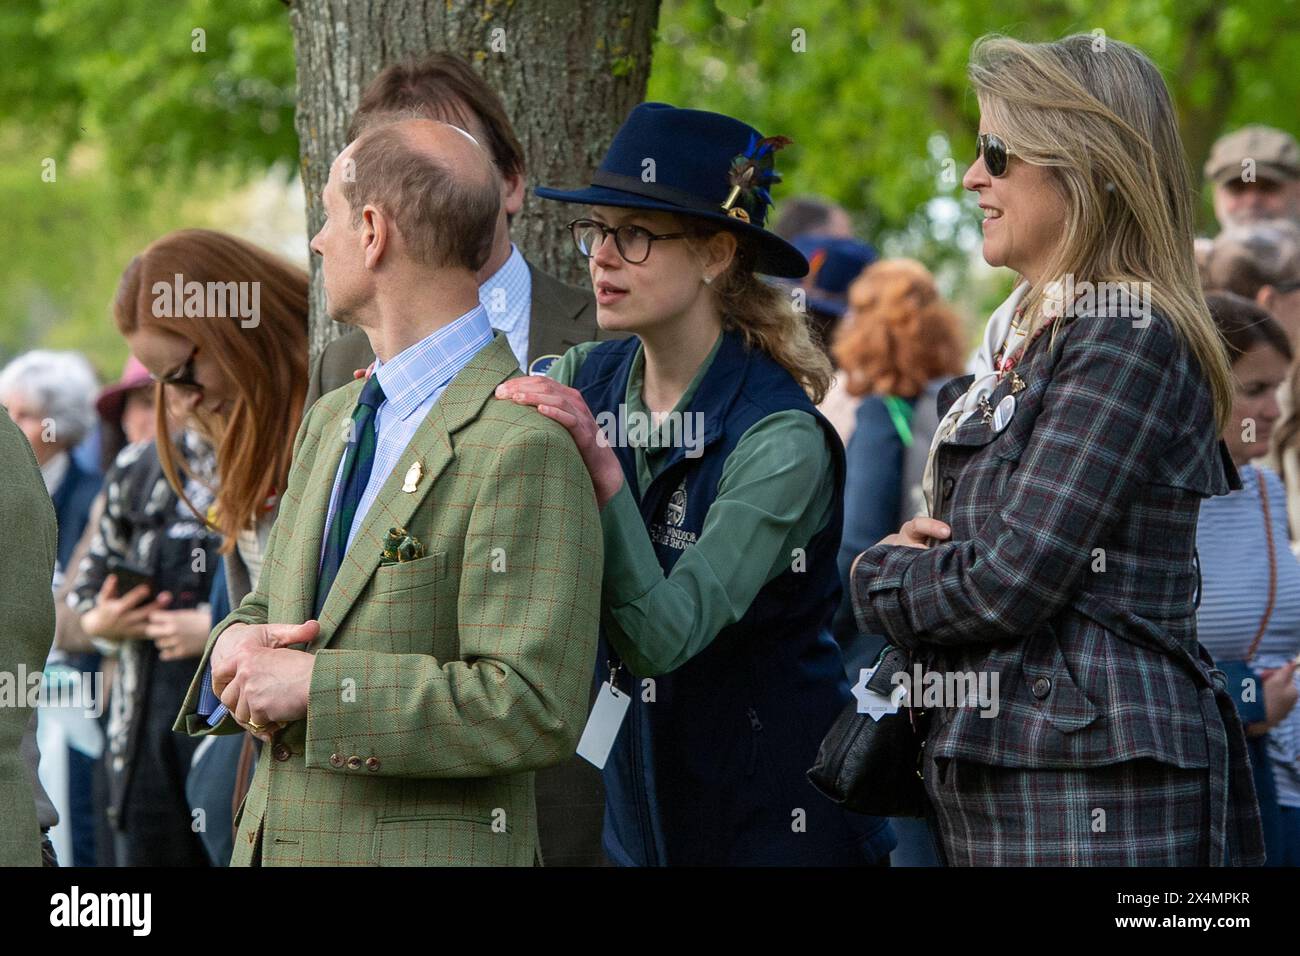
x: 775, y: 493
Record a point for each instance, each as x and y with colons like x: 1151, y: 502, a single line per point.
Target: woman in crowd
x: 1261, y: 262
x: 238, y: 382
x: 1063, y: 486
x: 898, y: 342
x: 126, y: 417
x: 833, y: 263
x: 241, y: 381
x: 1249, y: 617
x: 127, y: 414
x: 720, y: 535
x: 145, y: 527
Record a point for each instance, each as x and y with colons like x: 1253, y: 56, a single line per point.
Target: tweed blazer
x: 570, y: 796
x: 440, y: 684
x: 27, y: 603
x: 1071, y: 572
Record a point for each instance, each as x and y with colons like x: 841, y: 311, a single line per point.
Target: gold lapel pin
x: 413, y: 476
x: 1017, y: 383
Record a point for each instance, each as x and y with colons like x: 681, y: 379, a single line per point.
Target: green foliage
x: 148, y: 134
x: 70, y: 239
x: 144, y: 135
x: 878, y: 99
x: 128, y: 74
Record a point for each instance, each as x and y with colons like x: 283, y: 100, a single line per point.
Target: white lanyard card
x: 603, y: 725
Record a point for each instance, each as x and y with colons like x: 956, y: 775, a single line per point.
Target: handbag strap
x: 1272, y: 566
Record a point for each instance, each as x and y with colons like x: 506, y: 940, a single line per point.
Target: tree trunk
x: 568, y: 72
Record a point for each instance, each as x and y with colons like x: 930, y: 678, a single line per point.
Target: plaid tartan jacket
x: 1071, y: 572
x: 440, y: 684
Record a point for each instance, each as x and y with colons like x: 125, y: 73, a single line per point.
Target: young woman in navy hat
x: 721, y: 518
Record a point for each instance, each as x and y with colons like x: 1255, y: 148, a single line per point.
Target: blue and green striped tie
x: 357, y: 463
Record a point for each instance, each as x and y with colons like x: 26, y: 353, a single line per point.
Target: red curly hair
x: 898, y: 333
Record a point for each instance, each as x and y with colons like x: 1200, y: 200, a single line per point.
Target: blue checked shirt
x: 412, y: 382
x: 508, y: 299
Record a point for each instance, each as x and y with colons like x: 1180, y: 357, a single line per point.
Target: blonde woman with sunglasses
x: 1056, y: 563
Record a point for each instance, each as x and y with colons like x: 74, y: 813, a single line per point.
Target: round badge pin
x: 539, y: 365
x: 1002, y: 414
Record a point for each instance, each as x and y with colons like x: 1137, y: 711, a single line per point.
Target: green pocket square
x: 400, y: 546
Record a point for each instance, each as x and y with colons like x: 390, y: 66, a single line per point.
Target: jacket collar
x: 432, y: 446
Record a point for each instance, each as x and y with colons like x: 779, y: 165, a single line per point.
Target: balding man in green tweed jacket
x: 456, y: 644
x: 26, y: 630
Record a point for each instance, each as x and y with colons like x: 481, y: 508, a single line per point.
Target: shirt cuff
x: 210, y: 704
x: 631, y: 567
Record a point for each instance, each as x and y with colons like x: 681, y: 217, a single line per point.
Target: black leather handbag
x: 874, y: 766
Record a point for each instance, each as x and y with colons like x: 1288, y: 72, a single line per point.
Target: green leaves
x: 877, y: 85
x: 82, y: 69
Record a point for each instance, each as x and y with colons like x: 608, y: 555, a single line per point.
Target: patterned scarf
x: 999, y: 338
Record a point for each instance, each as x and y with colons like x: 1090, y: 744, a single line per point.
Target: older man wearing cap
x: 1256, y: 175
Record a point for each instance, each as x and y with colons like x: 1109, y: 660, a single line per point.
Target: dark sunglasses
x: 633, y: 242
x: 183, y: 377
x: 994, y: 151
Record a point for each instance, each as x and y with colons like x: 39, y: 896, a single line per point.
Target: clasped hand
x: 920, y: 532
x: 260, y: 678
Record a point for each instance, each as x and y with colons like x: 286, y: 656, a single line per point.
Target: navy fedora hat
x: 693, y: 163
x: 833, y: 263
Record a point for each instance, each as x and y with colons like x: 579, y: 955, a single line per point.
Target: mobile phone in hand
x: 130, y: 577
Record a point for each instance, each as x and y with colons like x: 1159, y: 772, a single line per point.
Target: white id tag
x: 877, y: 705
x: 603, y: 725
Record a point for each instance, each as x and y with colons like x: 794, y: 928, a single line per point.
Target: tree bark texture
x: 568, y: 72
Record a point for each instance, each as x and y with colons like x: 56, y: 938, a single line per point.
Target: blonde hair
x: 767, y: 320
x: 1098, y: 113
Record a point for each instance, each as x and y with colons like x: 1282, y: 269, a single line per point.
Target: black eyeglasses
x: 1292, y: 285
x: 995, y: 153
x: 633, y: 242
x: 183, y: 377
